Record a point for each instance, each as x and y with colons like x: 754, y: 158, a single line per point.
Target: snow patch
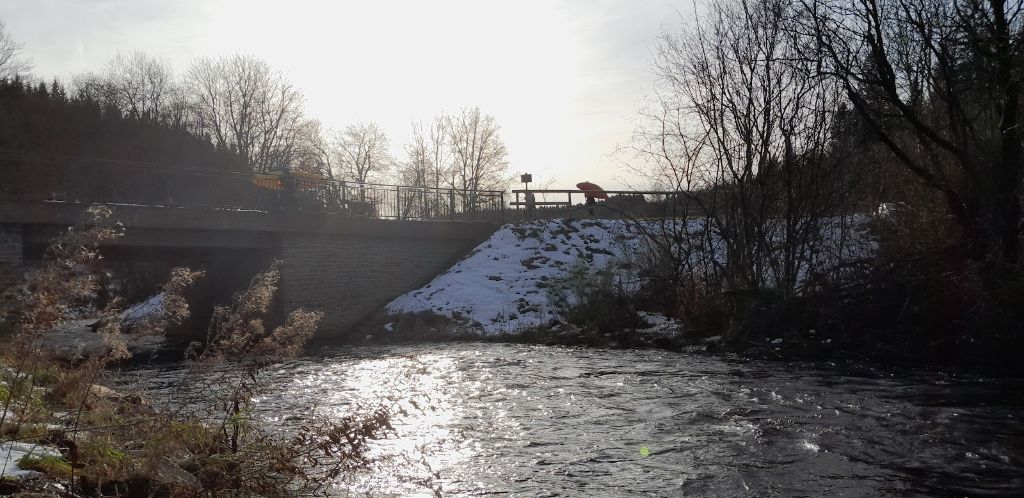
x: 659, y: 324
x: 12, y: 452
x: 154, y: 306
x: 504, y: 285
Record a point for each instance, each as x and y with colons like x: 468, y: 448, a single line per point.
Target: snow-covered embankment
x: 506, y: 283
x: 517, y: 279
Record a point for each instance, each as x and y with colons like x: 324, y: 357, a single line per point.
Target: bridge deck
x: 190, y: 226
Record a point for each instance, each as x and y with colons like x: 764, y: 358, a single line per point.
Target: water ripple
x: 483, y: 419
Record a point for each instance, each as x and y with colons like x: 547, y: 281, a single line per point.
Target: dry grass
x: 116, y: 444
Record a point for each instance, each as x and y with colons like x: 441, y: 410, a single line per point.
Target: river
x: 526, y: 420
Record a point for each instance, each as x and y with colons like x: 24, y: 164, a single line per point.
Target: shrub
x: 596, y: 301
x: 113, y: 444
x: 47, y: 464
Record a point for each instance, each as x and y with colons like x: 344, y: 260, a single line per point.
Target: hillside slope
x: 522, y: 276
x: 511, y: 280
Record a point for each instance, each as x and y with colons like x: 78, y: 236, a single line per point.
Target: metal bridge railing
x: 544, y: 204
x: 92, y: 180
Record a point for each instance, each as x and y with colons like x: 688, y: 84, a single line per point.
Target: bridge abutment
x: 347, y: 277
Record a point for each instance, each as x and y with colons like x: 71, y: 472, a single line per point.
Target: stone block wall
x: 11, y: 250
x: 348, y: 277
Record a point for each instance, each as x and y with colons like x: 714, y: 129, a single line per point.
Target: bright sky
x: 563, y: 78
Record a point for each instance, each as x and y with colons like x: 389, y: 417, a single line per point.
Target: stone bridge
x: 345, y: 266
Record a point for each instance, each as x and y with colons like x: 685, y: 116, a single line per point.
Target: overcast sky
x: 563, y: 78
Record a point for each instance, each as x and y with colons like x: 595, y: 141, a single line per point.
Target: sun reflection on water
x: 523, y: 420
x: 426, y: 395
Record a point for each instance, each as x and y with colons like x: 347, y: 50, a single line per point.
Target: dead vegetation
x: 94, y: 441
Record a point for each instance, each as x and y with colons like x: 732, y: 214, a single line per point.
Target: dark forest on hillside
x: 44, y: 119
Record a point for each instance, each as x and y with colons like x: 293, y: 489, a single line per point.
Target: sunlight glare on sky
x: 562, y: 78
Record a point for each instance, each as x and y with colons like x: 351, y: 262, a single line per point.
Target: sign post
x: 530, y: 199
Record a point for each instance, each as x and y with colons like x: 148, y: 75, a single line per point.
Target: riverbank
x: 581, y: 283
x: 880, y: 348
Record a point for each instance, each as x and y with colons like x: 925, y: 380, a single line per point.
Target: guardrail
x: 553, y: 203
x: 97, y: 180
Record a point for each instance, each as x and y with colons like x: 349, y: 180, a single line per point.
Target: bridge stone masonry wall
x: 348, y: 277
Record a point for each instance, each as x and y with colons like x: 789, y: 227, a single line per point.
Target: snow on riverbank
x: 154, y: 306
x: 505, y: 284
x: 12, y: 452
x: 512, y: 280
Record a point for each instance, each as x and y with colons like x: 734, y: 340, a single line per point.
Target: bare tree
x: 938, y: 82
x: 248, y: 107
x: 440, y: 154
x: 428, y: 160
x: 142, y: 85
x: 94, y: 87
x: 417, y: 169
x: 738, y: 118
x: 12, y: 63
x: 426, y: 166
x: 178, y: 111
x: 463, y: 152
x: 362, y: 151
x: 316, y: 154
x: 479, y: 156
x: 138, y: 86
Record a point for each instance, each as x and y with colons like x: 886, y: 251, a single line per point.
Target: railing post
x: 343, y: 192
x: 451, y: 204
x: 398, y: 202
x: 502, y: 200
x: 570, y: 206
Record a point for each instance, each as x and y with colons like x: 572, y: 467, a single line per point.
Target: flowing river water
x: 526, y: 420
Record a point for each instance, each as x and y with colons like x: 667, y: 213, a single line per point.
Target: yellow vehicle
x: 275, y: 180
x: 312, y: 192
